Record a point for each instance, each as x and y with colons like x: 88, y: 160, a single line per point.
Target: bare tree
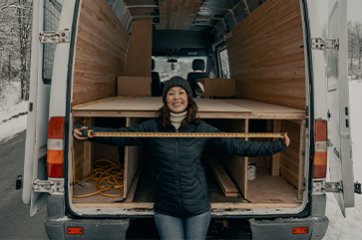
x: 15, y: 28
x: 24, y: 23
x: 355, y: 47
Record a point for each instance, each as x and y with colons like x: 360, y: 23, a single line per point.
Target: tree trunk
x: 9, y: 68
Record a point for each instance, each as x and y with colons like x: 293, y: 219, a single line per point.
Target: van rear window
x: 52, y: 10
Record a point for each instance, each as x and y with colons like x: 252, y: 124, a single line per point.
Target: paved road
x: 15, y: 221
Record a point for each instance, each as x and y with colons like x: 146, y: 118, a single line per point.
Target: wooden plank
x: 217, y: 87
x: 140, y: 49
x: 291, y: 158
x: 226, y: 184
x: 208, y: 108
x: 237, y: 167
x: 154, y: 103
x: 131, y: 161
x: 133, y: 86
x: 142, y: 207
x: 88, y: 152
x: 301, y: 160
x: 276, y: 157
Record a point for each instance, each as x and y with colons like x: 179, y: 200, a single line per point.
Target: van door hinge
x: 323, y: 186
x: 321, y: 44
x: 53, y: 186
x: 55, y: 37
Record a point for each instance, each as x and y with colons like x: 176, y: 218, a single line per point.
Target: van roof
x: 196, y: 15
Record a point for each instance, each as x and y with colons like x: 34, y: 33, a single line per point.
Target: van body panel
x: 270, y: 65
x: 36, y: 134
x: 45, y: 105
x: 339, y: 135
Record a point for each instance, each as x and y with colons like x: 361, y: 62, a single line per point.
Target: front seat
x: 198, y: 65
x: 156, y: 82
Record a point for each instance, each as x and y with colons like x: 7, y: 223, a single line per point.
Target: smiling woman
x: 181, y: 202
x: 177, y: 91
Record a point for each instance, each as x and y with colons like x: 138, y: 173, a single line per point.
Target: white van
x: 256, y: 67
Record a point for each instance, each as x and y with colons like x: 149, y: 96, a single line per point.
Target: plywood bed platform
x: 285, y: 170
x: 208, y: 108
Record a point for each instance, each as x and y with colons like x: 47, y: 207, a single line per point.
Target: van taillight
x: 55, y: 156
x: 320, y: 153
x: 75, y: 230
x: 300, y: 230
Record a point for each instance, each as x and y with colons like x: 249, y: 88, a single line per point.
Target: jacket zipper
x: 178, y: 174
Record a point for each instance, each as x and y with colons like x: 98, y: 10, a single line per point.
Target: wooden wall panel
x: 290, y: 159
x: 267, y: 57
x: 100, y: 53
x: 140, y: 49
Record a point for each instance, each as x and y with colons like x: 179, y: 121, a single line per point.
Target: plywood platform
x: 241, y: 111
x: 208, y: 108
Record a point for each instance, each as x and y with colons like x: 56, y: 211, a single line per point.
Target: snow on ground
x: 340, y: 228
x: 13, y: 114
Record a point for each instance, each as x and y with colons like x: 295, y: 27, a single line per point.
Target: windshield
x: 168, y: 67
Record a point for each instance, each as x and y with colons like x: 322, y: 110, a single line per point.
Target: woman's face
x: 177, y: 100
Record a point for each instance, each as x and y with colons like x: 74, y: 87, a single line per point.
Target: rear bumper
x: 117, y: 228
x: 92, y: 228
x: 283, y: 228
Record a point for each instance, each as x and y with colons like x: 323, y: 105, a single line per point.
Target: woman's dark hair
x: 164, y: 113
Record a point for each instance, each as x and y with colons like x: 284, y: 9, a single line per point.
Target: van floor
x: 264, y: 189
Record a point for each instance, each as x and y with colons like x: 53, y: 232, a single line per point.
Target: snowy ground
x: 340, y: 228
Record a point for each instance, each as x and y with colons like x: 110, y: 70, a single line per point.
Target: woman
x: 182, y: 205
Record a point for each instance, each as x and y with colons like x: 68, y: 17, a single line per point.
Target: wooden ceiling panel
x: 178, y: 14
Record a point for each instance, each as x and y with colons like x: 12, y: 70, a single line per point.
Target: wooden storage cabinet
x: 278, y: 178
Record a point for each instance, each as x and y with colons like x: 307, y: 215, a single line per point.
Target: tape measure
x: 90, y: 133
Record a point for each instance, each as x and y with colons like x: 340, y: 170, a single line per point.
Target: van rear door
x: 45, y: 18
x: 339, y: 136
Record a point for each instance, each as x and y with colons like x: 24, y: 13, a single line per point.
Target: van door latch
x: 321, y: 44
x: 53, y: 186
x: 55, y: 37
x: 357, y: 188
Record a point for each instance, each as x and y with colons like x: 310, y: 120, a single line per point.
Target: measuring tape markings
x: 91, y: 134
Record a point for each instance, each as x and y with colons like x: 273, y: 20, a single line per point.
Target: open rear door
x: 45, y: 18
x: 339, y: 149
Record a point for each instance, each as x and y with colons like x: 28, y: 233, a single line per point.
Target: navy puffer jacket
x: 181, y: 188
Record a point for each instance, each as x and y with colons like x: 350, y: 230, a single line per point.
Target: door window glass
x: 224, y: 64
x: 52, y: 10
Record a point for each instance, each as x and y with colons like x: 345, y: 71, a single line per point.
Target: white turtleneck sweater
x: 177, y: 118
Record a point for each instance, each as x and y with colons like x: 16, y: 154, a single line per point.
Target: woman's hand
x: 286, y: 139
x: 78, y: 134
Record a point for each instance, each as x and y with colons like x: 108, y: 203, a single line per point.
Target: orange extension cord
x: 106, y: 175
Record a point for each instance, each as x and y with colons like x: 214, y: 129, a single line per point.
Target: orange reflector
x: 300, y: 230
x: 55, y: 156
x: 320, y: 165
x: 75, y: 230
x: 320, y: 149
x: 55, y: 163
